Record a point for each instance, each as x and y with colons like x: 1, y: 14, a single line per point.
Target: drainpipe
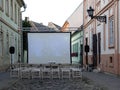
x: 22, y: 52
x: 118, y: 13
x: 25, y: 6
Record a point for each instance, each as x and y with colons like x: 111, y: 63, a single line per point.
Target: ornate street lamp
x: 99, y: 18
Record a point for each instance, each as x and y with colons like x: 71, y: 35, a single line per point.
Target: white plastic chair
x: 25, y: 73
x: 65, y: 71
x: 46, y: 71
x: 36, y: 73
x: 15, y: 70
x: 76, y: 73
x: 55, y: 71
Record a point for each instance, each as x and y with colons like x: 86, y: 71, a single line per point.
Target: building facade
x: 74, y: 24
x: 10, y: 31
x: 77, y: 47
x: 102, y: 37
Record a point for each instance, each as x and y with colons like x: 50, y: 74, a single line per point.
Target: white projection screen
x: 48, y: 48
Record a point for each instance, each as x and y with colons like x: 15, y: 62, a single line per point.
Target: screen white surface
x: 48, y: 47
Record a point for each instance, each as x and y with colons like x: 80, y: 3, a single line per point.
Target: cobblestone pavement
x: 6, y: 80
x: 96, y: 81
x: 112, y: 82
x: 56, y: 84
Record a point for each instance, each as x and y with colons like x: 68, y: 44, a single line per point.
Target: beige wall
x: 76, y: 18
x: 109, y: 55
x: 119, y: 32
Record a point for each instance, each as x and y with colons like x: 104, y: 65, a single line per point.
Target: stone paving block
x: 35, y: 84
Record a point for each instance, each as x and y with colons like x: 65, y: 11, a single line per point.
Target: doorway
x: 99, y: 47
x: 94, y: 50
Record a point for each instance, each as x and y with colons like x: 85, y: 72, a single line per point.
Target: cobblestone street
x: 90, y: 81
x: 56, y: 84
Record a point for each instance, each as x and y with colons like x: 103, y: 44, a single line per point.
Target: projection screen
x: 48, y: 48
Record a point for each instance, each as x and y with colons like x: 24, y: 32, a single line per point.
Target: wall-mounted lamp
x: 99, y: 18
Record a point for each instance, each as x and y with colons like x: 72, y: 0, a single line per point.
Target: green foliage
x: 26, y: 23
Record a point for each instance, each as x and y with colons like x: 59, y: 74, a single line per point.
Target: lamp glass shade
x: 90, y: 11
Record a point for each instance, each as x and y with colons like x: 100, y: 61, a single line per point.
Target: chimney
x: 26, y: 19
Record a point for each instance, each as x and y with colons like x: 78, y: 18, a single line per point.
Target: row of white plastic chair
x: 46, y: 71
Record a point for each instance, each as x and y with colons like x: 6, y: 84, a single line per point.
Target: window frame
x: 75, y: 47
x: 15, y: 13
x: 111, y: 32
x: 11, y: 9
x: 7, y: 7
x: 1, y: 5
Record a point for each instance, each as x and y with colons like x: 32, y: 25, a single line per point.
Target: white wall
x: 76, y: 19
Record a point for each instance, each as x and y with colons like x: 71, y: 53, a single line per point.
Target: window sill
x: 7, y: 14
x: 110, y: 47
x: 111, y: 66
x: 1, y: 9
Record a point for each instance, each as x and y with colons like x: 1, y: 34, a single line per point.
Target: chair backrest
x: 65, y: 65
x: 54, y: 66
x: 75, y: 65
x: 13, y: 66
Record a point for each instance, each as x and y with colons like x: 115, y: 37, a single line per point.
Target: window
x: 18, y: 17
x: 7, y: 7
x: 11, y: 6
x: 1, y: 4
x: 75, y: 48
x: 15, y: 13
x: 91, y: 40
x: 111, y: 31
x: 111, y: 59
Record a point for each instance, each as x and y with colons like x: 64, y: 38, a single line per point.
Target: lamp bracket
x: 100, y: 18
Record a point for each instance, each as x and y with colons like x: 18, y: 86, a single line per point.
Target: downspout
x: 25, y: 6
x: 118, y: 13
x: 22, y: 52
